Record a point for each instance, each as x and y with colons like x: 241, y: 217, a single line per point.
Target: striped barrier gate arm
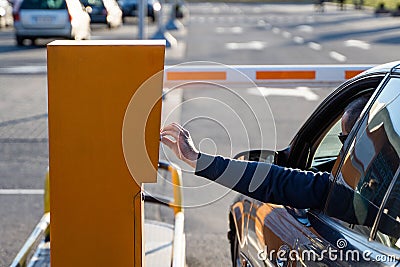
x: 236, y: 74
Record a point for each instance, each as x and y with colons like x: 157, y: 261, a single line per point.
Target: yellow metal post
x: 96, y: 208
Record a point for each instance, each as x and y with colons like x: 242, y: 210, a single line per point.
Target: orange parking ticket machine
x: 104, y: 120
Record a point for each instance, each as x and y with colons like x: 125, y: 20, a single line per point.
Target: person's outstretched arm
x: 270, y: 183
x: 265, y: 182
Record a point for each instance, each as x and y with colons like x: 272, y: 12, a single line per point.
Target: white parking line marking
x: 305, y: 28
x: 261, y: 23
x: 237, y: 10
x: 276, y: 30
x: 24, y: 70
x: 215, y: 10
x: 21, y: 191
x: 315, y: 46
x: 287, y: 34
x: 337, y: 56
x: 253, y: 45
x: 303, y: 92
x: 234, y: 30
x: 298, y: 40
x: 357, y: 43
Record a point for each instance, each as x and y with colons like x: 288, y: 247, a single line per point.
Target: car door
x: 279, y: 230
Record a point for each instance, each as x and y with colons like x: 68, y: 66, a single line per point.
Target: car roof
x: 384, y: 68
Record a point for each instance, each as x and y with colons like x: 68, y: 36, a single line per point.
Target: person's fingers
x: 174, y: 132
x: 178, y: 129
x: 173, y: 145
x: 172, y: 127
x: 181, y: 129
x: 178, y: 140
x: 168, y: 132
x: 168, y: 142
x: 175, y: 128
x: 171, y: 133
x: 177, y: 125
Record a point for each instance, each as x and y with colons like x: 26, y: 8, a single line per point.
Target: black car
x: 96, y: 9
x: 130, y: 8
x: 263, y: 234
x: 103, y: 11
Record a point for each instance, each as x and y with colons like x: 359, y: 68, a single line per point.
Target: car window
x: 327, y: 150
x: 92, y: 3
x: 368, y: 172
x: 43, y: 4
x: 329, y: 147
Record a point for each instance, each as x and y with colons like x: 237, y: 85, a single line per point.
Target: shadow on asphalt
x: 388, y: 40
x: 15, y: 48
x: 352, y: 33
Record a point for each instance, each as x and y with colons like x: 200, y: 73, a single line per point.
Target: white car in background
x: 50, y: 18
x: 6, y: 18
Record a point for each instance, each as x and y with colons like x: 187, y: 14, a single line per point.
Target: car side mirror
x: 260, y: 155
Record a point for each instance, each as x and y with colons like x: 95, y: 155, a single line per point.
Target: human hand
x: 182, y: 146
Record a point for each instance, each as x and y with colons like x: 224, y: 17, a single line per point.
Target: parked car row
x: 69, y: 19
x: 130, y: 8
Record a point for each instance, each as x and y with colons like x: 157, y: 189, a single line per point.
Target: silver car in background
x: 50, y: 18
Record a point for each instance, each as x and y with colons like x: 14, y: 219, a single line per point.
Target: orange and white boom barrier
x: 261, y: 74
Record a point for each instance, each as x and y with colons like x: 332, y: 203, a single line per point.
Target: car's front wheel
x: 20, y: 40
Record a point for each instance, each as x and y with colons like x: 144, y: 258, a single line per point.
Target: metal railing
x: 176, y: 177
x: 22, y: 257
x: 178, y: 250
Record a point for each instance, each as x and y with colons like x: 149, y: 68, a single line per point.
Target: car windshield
x: 43, y: 4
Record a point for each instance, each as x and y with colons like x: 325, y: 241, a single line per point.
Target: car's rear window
x: 92, y: 3
x: 43, y: 4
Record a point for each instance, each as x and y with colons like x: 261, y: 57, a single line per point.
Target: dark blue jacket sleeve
x: 267, y: 182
